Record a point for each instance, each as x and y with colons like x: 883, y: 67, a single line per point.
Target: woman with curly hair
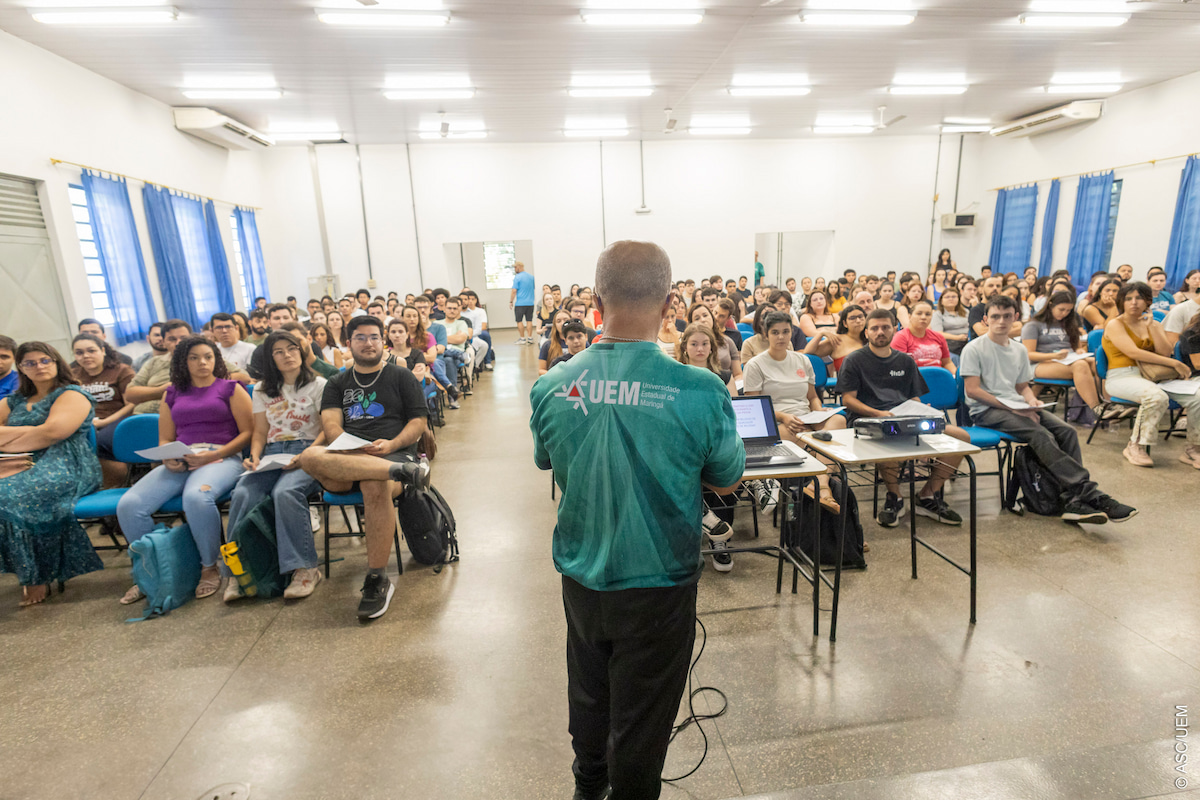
x: 212, y: 415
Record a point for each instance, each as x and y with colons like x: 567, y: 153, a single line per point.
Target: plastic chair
x: 820, y: 373
x: 355, y: 500
x: 946, y: 392
x: 745, y: 329
x: 133, y: 433
x: 1095, y: 339
x: 1159, y: 315
x: 1102, y: 372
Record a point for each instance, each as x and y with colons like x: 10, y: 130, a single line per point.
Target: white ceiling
x: 521, y: 56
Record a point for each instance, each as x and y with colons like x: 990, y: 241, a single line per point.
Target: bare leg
x: 1080, y: 372
x: 113, y: 473
x: 380, y: 521
x: 943, y: 468
x: 343, y: 468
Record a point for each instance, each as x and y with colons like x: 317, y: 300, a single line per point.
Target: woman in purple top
x: 203, y: 409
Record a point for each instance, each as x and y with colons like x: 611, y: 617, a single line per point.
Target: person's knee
x: 375, y: 490
x: 836, y: 423
x: 311, y: 459
x: 199, y: 497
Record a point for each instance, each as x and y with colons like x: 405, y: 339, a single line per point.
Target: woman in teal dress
x: 49, y: 417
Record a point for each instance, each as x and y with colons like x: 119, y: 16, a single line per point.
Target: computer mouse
x: 824, y: 436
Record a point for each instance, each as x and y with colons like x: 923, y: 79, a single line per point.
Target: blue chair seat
x: 338, y: 499
x: 1053, y: 382
x: 99, y: 504
x: 983, y: 437
x: 1125, y: 402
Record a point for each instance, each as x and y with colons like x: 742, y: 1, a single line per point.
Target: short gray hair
x: 633, y: 274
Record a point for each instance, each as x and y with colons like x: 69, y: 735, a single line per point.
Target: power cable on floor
x: 693, y: 717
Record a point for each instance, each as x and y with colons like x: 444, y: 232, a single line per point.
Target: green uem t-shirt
x: 630, y: 434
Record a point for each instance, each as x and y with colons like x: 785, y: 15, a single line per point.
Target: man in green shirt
x: 631, y: 435
x: 760, y: 271
x: 147, y: 388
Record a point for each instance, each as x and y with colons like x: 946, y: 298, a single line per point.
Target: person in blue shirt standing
x: 9, y: 377
x: 632, y: 436
x: 521, y: 301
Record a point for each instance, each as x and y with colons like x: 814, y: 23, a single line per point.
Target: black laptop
x: 756, y: 425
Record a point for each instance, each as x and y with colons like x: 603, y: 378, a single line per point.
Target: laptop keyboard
x: 765, y: 451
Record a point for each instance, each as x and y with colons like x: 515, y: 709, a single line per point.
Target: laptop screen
x: 756, y: 419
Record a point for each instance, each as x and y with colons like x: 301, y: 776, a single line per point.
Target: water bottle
x: 245, y: 580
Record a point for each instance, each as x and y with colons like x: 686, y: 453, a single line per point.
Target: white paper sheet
x: 1021, y: 404
x: 14, y: 455
x: 1072, y: 358
x: 165, y: 451
x: 271, y: 463
x: 817, y: 417
x: 941, y: 442
x: 347, y: 441
x: 913, y: 408
x: 738, y: 384
x: 1180, y: 387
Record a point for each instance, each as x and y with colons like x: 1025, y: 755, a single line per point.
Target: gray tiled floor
x: 1066, y: 688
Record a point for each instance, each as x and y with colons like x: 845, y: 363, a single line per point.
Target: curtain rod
x: 153, y: 183
x: 1151, y: 162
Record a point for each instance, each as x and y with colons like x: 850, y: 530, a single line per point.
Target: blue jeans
x: 289, y: 489
x: 491, y: 352
x: 453, y: 359
x: 201, y: 489
x: 438, y: 368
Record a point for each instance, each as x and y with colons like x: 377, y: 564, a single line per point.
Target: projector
x: 894, y: 427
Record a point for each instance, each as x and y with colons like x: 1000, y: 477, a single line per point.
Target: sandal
x: 26, y: 602
x: 208, y: 585
x: 134, y: 594
x: 827, y: 501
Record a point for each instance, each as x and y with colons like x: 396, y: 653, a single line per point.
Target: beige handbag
x: 1156, y: 373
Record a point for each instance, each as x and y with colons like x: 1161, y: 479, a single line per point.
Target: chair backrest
x: 138, y: 432
x: 249, y: 387
x: 1178, y: 354
x: 1159, y: 315
x: 745, y: 329
x: 91, y: 431
x: 820, y: 373
x: 1094, y: 339
x: 943, y: 391
x: 1101, y: 363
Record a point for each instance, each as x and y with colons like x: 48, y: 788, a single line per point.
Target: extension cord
x: 693, y: 717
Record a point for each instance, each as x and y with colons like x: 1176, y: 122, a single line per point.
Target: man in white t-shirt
x: 234, y: 351
x: 1178, y: 318
x: 478, y: 320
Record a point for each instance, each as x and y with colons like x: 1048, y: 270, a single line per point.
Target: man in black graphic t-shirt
x: 383, y: 404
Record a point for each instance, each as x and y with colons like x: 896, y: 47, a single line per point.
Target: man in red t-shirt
x: 928, y: 348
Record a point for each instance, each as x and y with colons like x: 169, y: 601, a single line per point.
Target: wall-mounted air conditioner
x: 957, y: 222
x: 1052, y: 120
x: 213, y: 126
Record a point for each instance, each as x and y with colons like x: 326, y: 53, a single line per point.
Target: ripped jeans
x: 201, y: 490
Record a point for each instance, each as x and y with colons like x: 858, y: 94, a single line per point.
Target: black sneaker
x: 377, y: 594
x: 935, y: 508
x: 892, y: 511
x: 1115, y: 511
x: 715, y: 526
x: 1080, y: 512
x: 415, y: 473
x: 581, y: 794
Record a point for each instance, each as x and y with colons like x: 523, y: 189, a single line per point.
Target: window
x: 1113, y: 204
x: 91, y: 258
x: 237, y: 257
x: 498, y: 260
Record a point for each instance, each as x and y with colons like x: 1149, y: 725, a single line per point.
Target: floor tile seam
x: 236, y: 669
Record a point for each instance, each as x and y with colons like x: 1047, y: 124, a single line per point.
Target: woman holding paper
x: 1053, y: 340
x: 786, y: 376
x: 45, y: 425
x: 211, y: 414
x: 287, y: 420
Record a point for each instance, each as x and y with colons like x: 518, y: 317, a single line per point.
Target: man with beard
x: 258, y: 327
x: 383, y: 404
x: 154, y: 338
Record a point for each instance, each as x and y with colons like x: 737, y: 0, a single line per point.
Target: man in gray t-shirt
x: 1178, y: 318
x: 996, y: 374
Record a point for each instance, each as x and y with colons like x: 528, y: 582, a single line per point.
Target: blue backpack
x: 166, y: 567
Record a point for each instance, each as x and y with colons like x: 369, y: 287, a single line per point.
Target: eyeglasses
x: 41, y: 362
x: 366, y: 339
x: 287, y: 351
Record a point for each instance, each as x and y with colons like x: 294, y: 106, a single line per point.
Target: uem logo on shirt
x: 613, y: 393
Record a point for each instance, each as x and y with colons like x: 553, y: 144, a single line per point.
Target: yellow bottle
x: 229, y: 552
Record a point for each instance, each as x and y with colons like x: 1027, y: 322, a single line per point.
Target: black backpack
x: 428, y: 526
x: 830, y: 525
x: 1040, y: 491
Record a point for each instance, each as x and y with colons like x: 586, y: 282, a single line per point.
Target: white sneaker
x: 232, y: 591
x: 304, y: 580
x: 314, y: 518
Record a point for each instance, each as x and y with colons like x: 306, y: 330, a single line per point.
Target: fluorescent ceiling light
x: 453, y: 135
x: 843, y: 128
x: 769, y: 91
x: 136, y: 15
x: 656, y: 5
x: 385, y: 18
x: 616, y: 79
x: 429, y: 94
x: 308, y: 136
x: 966, y: 128
x: 611, y: 91
x: 1086, y: 77
x: 599, y: 133
x: 634, y: 18
x: 927, y: 89
x: 1073, y: 20
x: 385, y: 5
x: 233, y: 94
x: 860, y: 5
x: 856, y: 19
x: 966, y: 121
x: 1080, y: 6
x: 718, y: 131
x: 229, y: 82
x: 1083, y: 88
x: 931, y: 79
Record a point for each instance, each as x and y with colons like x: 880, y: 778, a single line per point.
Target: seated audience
x: 324, y: 342
x: 259, y: 328
x: 317, y: 365
x: 950, y: 320
x: 154, y: 338
x: 970, y: 294
x: 837, y: 298
x: 1190, y: 290
x: 382, y: 404
x: 1054, y: 333
x: 460, y: 336
x: 1097, y: 313
x: 817, y: 316
x: 147, y: 388
x: 914, y: 294
x: 49, y: 416
x: 757, y: 343
x: 96, y: 328
x: 575, y: 333
x: 1134, y: 341
x: 105, y: 379
x: 474, y: 314
x: 698, y: 346
x: 927, y: 347
x: 234, y: 351
x: 400, y: 349
x: 10, y: 378
x: 210, y: 413
x: 668, y: 334
x: 1156, y: 279
x: 287, y: 420
x: 555, y: 345
x: 872, y: 382
x: 996, y: 373
x: 337, y: 326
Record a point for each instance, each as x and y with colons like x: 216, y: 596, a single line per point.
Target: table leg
x: 974, y: 573
x: 815, y: 514
x: 783, y: 532
x: 841, y: 548
x: 912, y: 513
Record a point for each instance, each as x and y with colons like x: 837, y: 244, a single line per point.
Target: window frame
x: 94, y: 273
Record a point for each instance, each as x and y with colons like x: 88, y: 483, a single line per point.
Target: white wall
x: 51, y: 108
x: 1152, y: 123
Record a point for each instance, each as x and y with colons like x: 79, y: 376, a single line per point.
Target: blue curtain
x: 1012, y: 229
x: 254, y: 269
x: 218, y: 261
x: 120, y: 255
x: 174, y: 283
x: 1049, y: 223
x: 1183, y: 250
x: 1089, y: 229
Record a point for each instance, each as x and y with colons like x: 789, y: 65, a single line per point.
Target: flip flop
x: 827, y: 501
x: 134, y: 594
